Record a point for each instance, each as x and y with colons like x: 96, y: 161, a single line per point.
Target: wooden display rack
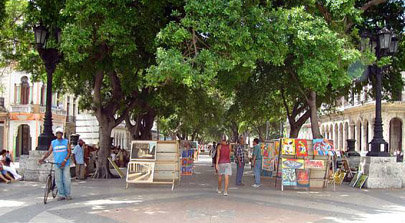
x: 166, y: 166
x: 318, y: 178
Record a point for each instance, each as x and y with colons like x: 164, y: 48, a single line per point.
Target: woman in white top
x: 7, y: 167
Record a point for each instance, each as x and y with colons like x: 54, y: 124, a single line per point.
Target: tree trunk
x: 316, y: 133
x: 102, y: 167
x: 294, y: 131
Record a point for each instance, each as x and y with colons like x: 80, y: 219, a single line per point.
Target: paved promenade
x: 196, y: 200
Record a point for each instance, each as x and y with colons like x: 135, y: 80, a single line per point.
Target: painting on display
x: 140, y: 172
x: 289, y: 177
x: 143, y: 150
x: 288, y: 147
x: 303, y: 178
x: 277, y: 147
x: 268, y: 164
x: 339, y: 176
x: 315, y: 164
x: 361, y: 181
x: 301, y: 147
x: 354, y: 179
x: 292, y: 163
x: 323, y: 147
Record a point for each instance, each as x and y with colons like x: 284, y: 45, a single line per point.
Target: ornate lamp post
x: 385, y: 43
x: 51, y: 58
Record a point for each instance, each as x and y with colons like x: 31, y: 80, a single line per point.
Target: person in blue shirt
x: 61, y: 153
x: 257, y: 162
x: 78, y: 159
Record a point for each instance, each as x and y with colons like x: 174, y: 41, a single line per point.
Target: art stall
x: 299, y: 163
x: 154, y: 162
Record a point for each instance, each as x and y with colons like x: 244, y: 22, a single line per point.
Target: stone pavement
x: 196, y: 200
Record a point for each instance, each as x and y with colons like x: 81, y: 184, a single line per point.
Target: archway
x: 23, y: 141
x: 366, y: 134
x: 346, y: 136
x: 395, y: 135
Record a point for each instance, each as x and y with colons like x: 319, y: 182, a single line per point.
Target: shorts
x: 225, y: 169
x: 4, y: 172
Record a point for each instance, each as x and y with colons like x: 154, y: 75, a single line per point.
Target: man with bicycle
x: 61, y: 154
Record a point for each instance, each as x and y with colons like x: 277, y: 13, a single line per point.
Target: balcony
x: 28, y: 108
x: 55, y: 110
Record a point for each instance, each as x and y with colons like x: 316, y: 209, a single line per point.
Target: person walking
x: 257, y: 162
x: 60, y: 148
x: 240, y: 163
x: 78, y: 159
x: 223, y: 165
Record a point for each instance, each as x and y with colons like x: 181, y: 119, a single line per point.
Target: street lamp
x: 385, y: 43
x: 50, y: 57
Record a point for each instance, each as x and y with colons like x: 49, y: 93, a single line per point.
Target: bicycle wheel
x: 48, y: 185
x: 54, y: 189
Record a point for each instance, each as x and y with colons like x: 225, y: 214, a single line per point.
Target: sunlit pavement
x: 196, y: 200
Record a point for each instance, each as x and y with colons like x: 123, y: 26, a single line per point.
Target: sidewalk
x: 196, y: 200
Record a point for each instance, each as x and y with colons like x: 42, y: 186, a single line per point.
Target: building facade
x: 354, y: 119
x: 22, y: 110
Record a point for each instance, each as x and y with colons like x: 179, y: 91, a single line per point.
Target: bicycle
x: 50, y: 183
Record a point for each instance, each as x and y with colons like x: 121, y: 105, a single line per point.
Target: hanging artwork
x: 292, y: 163
x: 323, y: 147
x: 303, y: 178
x: 288, y: 147
x: 289, y: 177
x: 301, y: 147
x: 268, y: 164
x: 314, y: 164
x: 143, y: 150
x: 277, y: 147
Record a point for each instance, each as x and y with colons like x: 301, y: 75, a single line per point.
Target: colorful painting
x: 292, y: 163
x: 339, y: 176
x: 303, y: 178
x: 143, y: 150
x: 289, y: 177
x: 362, y: 180
x: 277, y: 147
x: 288, y: 147
x: 140, y: 172
x: 268, y: 163
x: 301, y: 147
x: 264, y: 149
x: 323, y: 147
x: 314, y: 164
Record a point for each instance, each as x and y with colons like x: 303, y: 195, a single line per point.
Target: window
x: 25, y: 91
x: 43, y: 94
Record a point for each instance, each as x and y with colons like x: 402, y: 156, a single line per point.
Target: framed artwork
x: 277, y: 147
x: 301, y: 147
x: 339, y: 176
x: 268, y: 164
x: 140, y: 172
x: 302, y: 178
x: 361, y: 181
x: 315, y: 164
x: 289, y: 177
x: 288, y: 147
x: 323, y: 147
x: 143, y: 150
x: 292, y: 163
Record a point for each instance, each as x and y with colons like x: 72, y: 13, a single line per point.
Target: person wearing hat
x: 78, y: 159
x: 61, y: 153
